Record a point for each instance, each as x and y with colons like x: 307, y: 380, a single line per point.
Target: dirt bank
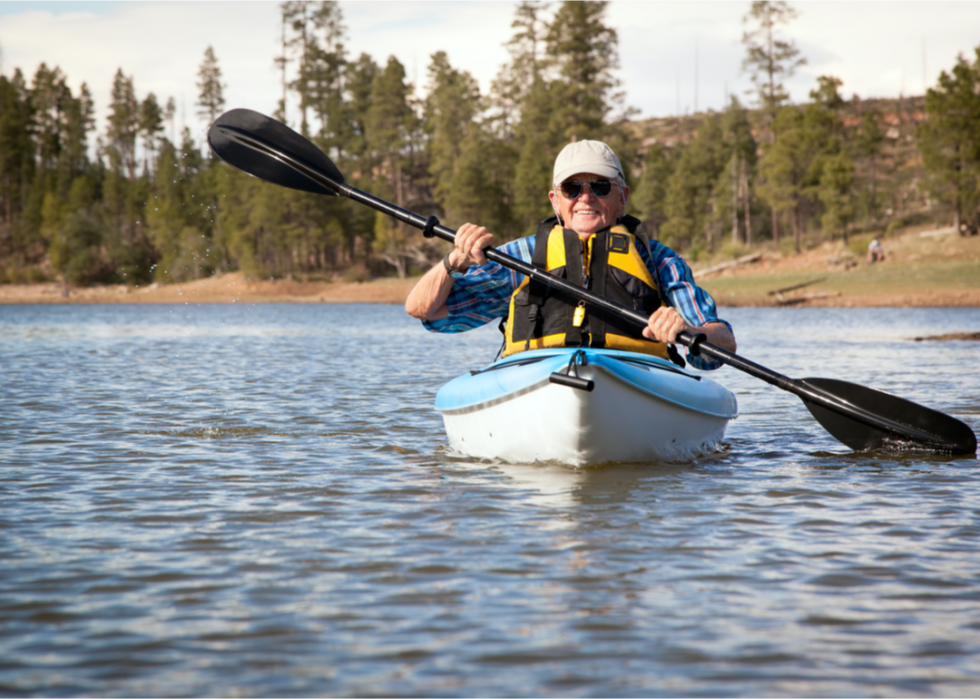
x: 226, y: 288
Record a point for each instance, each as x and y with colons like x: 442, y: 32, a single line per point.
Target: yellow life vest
x: 609, y: 264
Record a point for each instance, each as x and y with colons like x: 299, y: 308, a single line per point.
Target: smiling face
x: 587, y: 214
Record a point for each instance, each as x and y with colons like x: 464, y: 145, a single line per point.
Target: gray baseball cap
x: 587, y: 156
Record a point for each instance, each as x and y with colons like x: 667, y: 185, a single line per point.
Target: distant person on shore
x: 605, y: 250
x: 876, y: 251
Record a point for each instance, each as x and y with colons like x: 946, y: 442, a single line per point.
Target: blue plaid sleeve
x: 483, y: 293
x: 676, y: 281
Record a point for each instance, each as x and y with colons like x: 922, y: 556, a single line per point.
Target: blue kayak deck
x: 522, y: 372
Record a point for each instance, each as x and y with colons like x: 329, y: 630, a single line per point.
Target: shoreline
x: 924, y: 268
x: 233, y: 288
x: 220, y: 289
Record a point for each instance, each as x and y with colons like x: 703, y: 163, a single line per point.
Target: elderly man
x: 589, y: 241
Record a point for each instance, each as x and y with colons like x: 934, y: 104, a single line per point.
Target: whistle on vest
x: 579, y: 316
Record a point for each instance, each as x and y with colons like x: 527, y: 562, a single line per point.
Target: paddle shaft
x: 812, y: 395
x: 696, y: 342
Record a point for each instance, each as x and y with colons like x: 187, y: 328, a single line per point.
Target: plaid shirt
x: 483, y: 293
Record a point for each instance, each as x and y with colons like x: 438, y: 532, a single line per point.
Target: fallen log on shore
x: 793, y: 300
x: 737, y: 262
x: 780, y: 292
x: 950, y: 336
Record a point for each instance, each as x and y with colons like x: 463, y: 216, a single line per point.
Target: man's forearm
x: 427, y: 301
x: 719, y: 334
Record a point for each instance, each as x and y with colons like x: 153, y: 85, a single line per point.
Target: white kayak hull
x: 640, y: 409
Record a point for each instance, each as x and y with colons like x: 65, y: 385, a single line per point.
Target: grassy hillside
x: 922, y: 269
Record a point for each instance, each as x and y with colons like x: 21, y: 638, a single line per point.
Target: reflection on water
x: 259, y: 500
x: 560, y: 487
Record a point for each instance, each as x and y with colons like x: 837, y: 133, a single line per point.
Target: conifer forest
x: 132, y: 201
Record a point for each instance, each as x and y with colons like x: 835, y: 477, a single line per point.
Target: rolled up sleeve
x: 694, y: 304
x: 483, y: 293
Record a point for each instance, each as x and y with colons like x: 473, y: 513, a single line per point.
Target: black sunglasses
x: 572, y: 189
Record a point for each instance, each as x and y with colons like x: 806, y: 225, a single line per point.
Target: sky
x: 675, y: 57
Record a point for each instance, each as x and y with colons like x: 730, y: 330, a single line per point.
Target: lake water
x: 258, y: 500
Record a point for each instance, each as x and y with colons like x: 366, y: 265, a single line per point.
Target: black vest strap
x: 538, y: 292
x: 600, y: 259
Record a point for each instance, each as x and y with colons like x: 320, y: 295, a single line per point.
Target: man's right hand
x: 470, y: 241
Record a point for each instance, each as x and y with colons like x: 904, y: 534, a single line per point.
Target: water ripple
x: 258, y: 500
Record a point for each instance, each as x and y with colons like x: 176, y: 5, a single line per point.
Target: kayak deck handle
x: 572, y: 381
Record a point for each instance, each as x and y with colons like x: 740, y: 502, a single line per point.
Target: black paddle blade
x: 872, y: 420
x: 263, y: 147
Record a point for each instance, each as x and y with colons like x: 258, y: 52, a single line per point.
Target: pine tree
x: 769, y: 59
x: 359, y: 79
x: 150, y: 126
x: 57, y: 125
x: 169, y: 115
x: 733, y: 189
x: 870, y: 140
x: 451, y: 110
x: 950, y: 142
x: 390, y: 124
x: 582, y: 53
x: 166, y: 213
x: 242, y: 198
x: 793, y: 167
x: 356, y: 159
x: 538, y: 145
x: 648, y: 198
x: 827, y: 93
x: 523, y: 74
x: 835, y: 193
x: 16, y: 157
x: 180, y: 213
x: 322, y: 72
x: 77, y: 250
x: 522, y: 102
x: 79, y: 122
x: 688, y: 202
x: 123, y: 124
x: 50, y: 96
x: 390, y: 119
x: 295, y: 33
x: 784, y: 167
x: 481, y: 190
x: 282, y: 60
x: 210, y: 96
x: 833, y: 167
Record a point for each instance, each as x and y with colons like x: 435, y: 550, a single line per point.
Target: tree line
x: 141, y: 203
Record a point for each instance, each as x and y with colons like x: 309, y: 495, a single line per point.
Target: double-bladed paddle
x: 861, y: 418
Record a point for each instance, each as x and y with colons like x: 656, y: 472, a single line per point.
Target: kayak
x: 584, y: 406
